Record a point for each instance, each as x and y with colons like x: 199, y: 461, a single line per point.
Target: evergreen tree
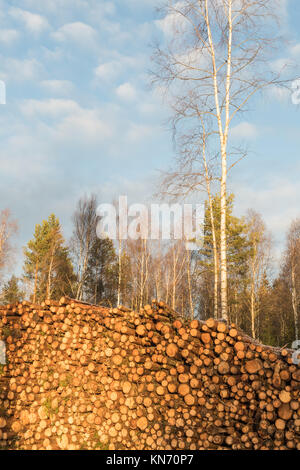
x: 11, y: 292
x: 102, y: 273
x: 47, y: 261
x: 238, y: 251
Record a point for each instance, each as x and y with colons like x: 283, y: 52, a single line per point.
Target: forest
x: 263, y: 297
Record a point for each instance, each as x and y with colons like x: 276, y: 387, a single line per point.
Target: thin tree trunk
x: 294, y: 301
x: 223, y: 135
x: 213, y: 230
x: 189, y: 284
x: 119, y: 273
x: 48, y: 293
x: 141, y: 279
x: 86, y: 257
x: 174, y: 280
x: 158, y: 274
x: 79, y: 272
x: 35, y: 282
x: 223, y: 244
x: 252, y: 299
x: 252, y: 307
x: 168, y: 286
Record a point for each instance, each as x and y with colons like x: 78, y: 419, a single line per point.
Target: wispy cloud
x: 111, y: 70
x: 126, y: 92
x: 244, y: 130
x: 53, y: 108
x: 173, y: 21
x: 57, y: 87
x: 33, y: 22
x: 8, y: 36
x: 78, y: 33
x: 18, y: 70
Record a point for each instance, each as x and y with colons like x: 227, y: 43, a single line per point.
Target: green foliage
x: 238, y: 252
x: 47, y: 261
x: 238, y: 248
x: 98, y: 445
x: 102, y: 273
x: 65, y: 382
x: 48, y: 408
x: 11, y: 292
x: 277, y: 326
x: 6, y: 332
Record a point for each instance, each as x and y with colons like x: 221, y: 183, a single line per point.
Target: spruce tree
x: 11, y: 293
x: 238, y: 251
x: 47, y: 261
x: 102, y: 273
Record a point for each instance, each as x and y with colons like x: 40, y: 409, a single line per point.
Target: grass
x: 66, y: 381
x: 6, y: 332
x: 98, y: 445
x: 48, y: 407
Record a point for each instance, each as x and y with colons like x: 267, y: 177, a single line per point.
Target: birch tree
x: 8, y: 228
x: 195, y: 174
x: 259, y: 261
x: 84, y: 234
x: 213, y: 60
x: 292, y: 270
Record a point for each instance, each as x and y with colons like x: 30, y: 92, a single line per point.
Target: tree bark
x: 35, y: 282
x: 294, y: 300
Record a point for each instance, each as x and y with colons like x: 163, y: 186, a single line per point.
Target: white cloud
x: 276, y: 199
x: 18, y: 70
x: 8, y: 36
x: 173, y: 21
x: 108, y: 70
x: 71, y: 122
x: 282, y: 65
x: 139, y: 132
x: 65, y: 6
x: 289, y: 62
x: 20, y: 148
x: 78, y: 32
x: 295, y: 50
x: 85, y: 124
x: 33, y: 22
x: 52, y: 108
x: 148, y: 108
x: 54, y: 5
x: 244, y: 130
x: 281, y: 94
x: 111, y: 70
x: 57, y: 87
x: 126, y: 92
x: 136, y: 3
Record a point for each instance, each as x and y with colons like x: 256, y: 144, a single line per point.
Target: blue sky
x: 80, y: 116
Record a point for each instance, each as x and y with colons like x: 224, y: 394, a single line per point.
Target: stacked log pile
x: 87, y: 377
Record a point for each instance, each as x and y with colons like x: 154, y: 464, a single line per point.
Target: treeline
x: 133, y: 272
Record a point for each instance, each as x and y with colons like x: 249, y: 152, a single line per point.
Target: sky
x: 80, y: 116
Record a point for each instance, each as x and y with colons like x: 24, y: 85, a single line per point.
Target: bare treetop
x: 215, y: 58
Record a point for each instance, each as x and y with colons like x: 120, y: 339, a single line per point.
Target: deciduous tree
x: 213, y: 61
